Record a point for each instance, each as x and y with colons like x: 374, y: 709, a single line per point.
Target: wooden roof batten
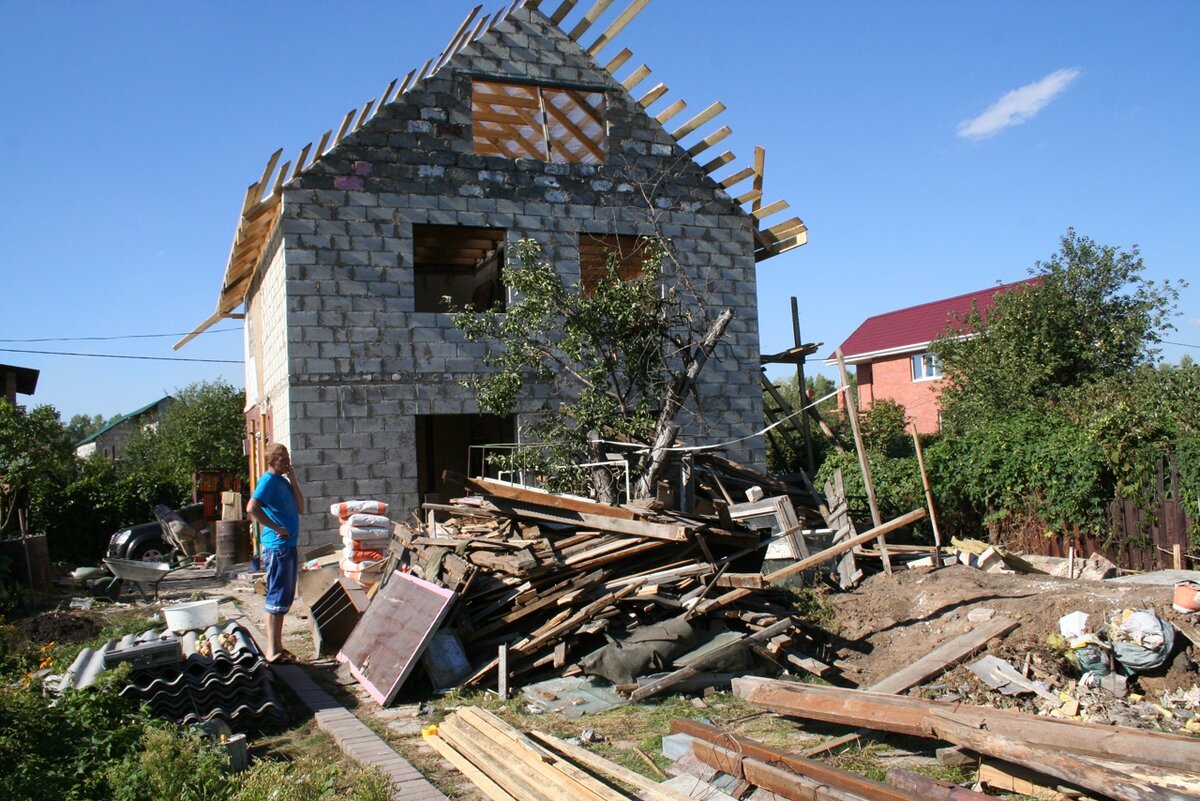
x: 263, y: 200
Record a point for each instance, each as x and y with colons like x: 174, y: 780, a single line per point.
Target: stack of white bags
x: 366, y: 531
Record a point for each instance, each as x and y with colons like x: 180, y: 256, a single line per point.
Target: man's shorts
x: 280, y: 564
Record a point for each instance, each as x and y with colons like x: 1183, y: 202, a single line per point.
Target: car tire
x: 151, y: 551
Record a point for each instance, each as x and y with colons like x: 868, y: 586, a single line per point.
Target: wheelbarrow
x: 141, y: 575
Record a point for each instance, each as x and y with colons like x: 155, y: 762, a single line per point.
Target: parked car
x: 146, y: 541
x: 143, y: 541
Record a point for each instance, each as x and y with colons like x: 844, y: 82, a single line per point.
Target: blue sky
x: 932, y: 148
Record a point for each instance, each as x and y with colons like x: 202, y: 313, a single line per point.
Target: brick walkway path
x: 351, y: 734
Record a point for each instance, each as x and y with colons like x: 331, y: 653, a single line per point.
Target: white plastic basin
x: 191, y: 615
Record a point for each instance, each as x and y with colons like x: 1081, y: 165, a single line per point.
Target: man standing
x: 276, y: 505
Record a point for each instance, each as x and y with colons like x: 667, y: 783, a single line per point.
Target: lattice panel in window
x: 539, y: 122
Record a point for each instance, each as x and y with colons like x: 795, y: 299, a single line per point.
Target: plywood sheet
x: 394, y: 632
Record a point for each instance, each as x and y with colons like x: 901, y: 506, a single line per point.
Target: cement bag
x: 367, y: 544
x: 362, y: 520
x: 350, y: 532
x: 369, y: 566
x: 1141, y: 640
x: 347, y: 508
x: 359, y: 555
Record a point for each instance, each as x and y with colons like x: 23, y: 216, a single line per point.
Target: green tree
x: 35, y: 455
x: 607, y: 350
x: 1088, y: 314
x: 82, y: 426
x: 202, y: 430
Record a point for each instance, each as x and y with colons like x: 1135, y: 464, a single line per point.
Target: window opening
x: 444, y: 442
x: 459, y: 262
x: 926, y: 366
x: 594, y: 250
x: 539, y: 122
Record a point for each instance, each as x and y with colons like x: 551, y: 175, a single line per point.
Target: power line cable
x: 1180, y: 344
x: 122, y: 356
x: 125, y: 336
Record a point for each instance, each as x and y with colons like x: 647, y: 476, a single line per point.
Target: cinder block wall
x: 361, y: 363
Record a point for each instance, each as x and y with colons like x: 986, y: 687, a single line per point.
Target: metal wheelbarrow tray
x: 142, y: 574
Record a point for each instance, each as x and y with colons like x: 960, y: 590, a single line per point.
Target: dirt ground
x: 889, y: 622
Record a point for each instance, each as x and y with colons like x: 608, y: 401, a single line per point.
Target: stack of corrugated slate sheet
x: 192, y: 677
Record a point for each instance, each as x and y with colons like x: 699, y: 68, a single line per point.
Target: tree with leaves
x: 620, y: 354
x: 34, y: 454
x: 1088, y: 314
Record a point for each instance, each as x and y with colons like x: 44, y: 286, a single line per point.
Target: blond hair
x: 274, y: 450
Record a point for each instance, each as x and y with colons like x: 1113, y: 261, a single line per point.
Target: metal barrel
x: 233, y: 542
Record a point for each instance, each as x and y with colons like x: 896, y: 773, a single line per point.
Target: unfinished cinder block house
x: 517, y: 129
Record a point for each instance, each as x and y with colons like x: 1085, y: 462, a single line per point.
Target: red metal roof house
x: 891, y: 356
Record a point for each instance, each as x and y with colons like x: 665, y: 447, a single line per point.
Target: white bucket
x: 191, y: 615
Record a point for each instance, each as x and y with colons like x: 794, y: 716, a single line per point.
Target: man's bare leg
x: 274, y: 637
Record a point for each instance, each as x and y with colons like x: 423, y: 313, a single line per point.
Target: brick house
x: 111, y: 440
x: 516, y: 130
x: 891, y: 356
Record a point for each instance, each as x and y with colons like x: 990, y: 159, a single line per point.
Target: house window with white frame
x: 926, y: 367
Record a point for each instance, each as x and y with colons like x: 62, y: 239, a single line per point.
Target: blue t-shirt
x: 274, y: 495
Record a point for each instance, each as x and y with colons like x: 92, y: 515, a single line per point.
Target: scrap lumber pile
x: 1111, y: 761
x: 555, y: 578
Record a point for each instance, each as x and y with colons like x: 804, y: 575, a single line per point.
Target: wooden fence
x: 1141, y: 538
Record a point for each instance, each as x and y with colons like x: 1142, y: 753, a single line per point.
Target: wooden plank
x: 760, y: 161
x: 815, y: 559
x: 650, y: 789
x: 734, y: 745
x: 946, y: 655
x: 917, y: 717
x: 512, y: 742
x: 637, y: 528
x: 464, y: 766
x: 478, y: 750
x: 344, y: 126
x: 563, y: 10
x: 366, y: 112
x: 500, y: 489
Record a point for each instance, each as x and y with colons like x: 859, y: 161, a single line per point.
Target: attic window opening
x: 462, y: 263
x: 627, y: 251
x: 546, y: 123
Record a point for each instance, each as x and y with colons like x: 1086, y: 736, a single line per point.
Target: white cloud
x: 1018, y: 106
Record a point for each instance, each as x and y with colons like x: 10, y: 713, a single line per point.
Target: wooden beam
x: 944, y: 656
x: 634, y: 78
x: 344, y: 126
x: 700, y: 119
x: 464, y: 766
x: 709, y: 141
x: 618, y: 61
x: 563, y: 10
x: 918, y: 718
x: 618, y: 25
x: 387, y: 93
x: 650, y: 789
x: 451, y: 45
x: 588, y: 19
x: 301, y: 159
x: 719, y: 162
x: 647, y: 100
x: 864, y: 465
x: 812, y: 561
x: 734, y: 745
x: 366, y: 112
x: 760, y: 162
x: 767, y: 211
x: 256, y: 189
x: 670, y: 111
x: 736, y: 178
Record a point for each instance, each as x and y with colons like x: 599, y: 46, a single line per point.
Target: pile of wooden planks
x: 544, y: 579
x: 507, y: 765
